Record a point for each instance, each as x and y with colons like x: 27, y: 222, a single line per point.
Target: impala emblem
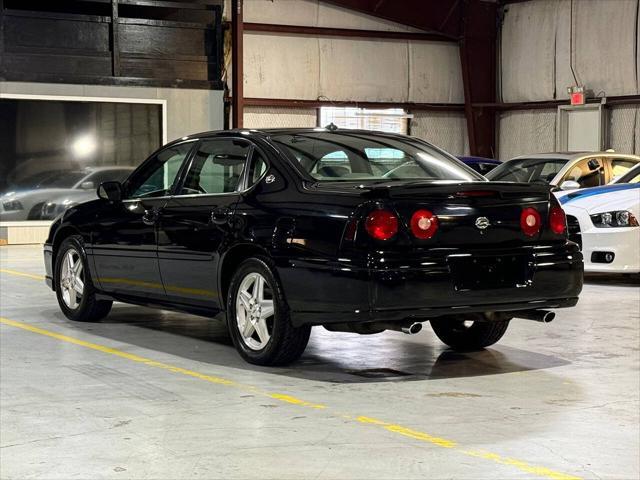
x: 482, y: 222
x: 270, y: 179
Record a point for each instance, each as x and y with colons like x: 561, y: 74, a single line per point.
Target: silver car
x: 57, y: 192
x: 568, y: 171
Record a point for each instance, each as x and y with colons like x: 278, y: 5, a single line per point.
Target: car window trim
x: 155, y: 154
x: 241, y: 188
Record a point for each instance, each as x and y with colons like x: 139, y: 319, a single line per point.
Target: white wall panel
x: 435, y: 73
x: 336, y: 17
x: 536, y: 48
x: 528, y: 44
x: 272, y: 117
x: 526, y: 131
x: 624, y: 128
x: 362, y: 69
x: 281, y: 66
x: 447, y: 130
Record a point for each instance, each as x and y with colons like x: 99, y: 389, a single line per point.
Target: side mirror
x: 87, y: 185
x: 569, y: 185
x: 111, y: 191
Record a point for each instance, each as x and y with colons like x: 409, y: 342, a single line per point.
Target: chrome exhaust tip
x: 543, y: 316
x: 412, y: 329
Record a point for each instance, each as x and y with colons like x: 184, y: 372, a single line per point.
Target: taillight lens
x: 424, y: 224
x: 530, y: 221
x: 381, y: 224
x: 557, y: 220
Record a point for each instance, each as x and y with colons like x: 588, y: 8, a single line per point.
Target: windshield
x: 528, y: 170
x: 63, y: 180
x: 632, y: 176
x: 355, y: 156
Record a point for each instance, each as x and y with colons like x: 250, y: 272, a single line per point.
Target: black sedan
x: 287, y: 229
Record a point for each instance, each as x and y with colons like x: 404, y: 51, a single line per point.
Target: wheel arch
x: 229, y: 263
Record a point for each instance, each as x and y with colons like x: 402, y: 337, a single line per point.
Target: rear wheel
x: 466, y: 335
x: 74, y: 290
x: 258, y: 316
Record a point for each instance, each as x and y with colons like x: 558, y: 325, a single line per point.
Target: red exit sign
x: 577, y: 98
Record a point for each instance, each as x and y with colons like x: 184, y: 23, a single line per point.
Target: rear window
x: 354, y: 156
x: 528, y: 170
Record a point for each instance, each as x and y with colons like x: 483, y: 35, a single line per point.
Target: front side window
x: 620, y: 166
x: 217, y: 167
x: 158, y: 175
x: 588, y: 173
x: 632, y: 176
x: 528, y: 170
x: 355, y: 156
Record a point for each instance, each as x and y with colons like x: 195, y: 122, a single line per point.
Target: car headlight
x: 12, y: 206
x: 618, y: 218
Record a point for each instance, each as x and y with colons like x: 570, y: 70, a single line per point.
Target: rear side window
x: 217, y: 167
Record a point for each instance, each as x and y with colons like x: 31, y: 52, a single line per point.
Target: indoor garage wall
x: 536, y: 48
x: 279, y: 66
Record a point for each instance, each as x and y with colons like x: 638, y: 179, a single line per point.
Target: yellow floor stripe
x: 423, y: 437
x: 22, y: 274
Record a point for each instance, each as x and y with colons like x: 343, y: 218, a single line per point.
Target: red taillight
x: 382, y: 224
x: 424, y: 224
x: 530, y: 221
x: 557, y: 220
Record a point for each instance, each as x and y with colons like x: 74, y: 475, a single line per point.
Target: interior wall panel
x: 435, y: 72
x: 347, y: 71
x: 536, y: 53
x: 623, y: 129
x: 273, y: 117
x: 526, y: 131
x: 447, y: 130
x: 278, y: 66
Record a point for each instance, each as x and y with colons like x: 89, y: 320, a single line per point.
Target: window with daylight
x: 392, y: 120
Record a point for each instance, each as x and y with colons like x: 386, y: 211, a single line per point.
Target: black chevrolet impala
x: 287, y: 229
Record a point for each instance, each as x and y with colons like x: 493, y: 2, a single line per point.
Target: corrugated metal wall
x: 535, y: 65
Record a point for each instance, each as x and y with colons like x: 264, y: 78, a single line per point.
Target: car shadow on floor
x: 330, y: 357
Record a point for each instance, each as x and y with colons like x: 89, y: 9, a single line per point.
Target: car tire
x: 258, y: 318
x: 469, y: 335
x: 74, y: 289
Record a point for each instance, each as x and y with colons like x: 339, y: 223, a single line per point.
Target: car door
x: 197, y: 221
x: 124, y: 240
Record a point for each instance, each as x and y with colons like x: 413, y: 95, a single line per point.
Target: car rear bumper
x: 429, y: 285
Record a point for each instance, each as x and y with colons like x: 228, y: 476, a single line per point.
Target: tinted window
x: 157, y: 176
x: 355, y: 156
x: 258, y: 167
x: 217, y: 167
x: 528, y: 170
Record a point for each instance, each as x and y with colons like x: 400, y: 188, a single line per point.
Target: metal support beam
x: 237, y: 28
x: 290, y: 103
x: 346, y: 32
x: 115, y: 40
x: 478, y: 58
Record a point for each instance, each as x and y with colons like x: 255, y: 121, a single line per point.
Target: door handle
x: 220, y: 216
x: 151, y: 216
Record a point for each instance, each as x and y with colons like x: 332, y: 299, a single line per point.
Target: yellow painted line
x: 362, y: 420
x: 22, y: 274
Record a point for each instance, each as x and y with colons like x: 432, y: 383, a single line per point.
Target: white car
x: 57, y: 192
x: 604, y: 221
x: 568, y: 171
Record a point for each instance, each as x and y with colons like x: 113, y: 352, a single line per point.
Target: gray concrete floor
x: 553, y: 401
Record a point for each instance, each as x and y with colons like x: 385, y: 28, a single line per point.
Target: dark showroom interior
x: 320, y: 239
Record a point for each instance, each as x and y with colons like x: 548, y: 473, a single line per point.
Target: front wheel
x: 467, y: 335
x: 258, y: 316
x: 74, y: 290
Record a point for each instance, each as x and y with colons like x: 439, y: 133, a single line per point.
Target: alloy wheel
x: 255, y: 311
x: 72, y: 279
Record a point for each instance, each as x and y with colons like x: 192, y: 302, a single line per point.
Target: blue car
x: 480, y: 164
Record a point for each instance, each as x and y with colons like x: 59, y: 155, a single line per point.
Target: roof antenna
x: 332, y: 127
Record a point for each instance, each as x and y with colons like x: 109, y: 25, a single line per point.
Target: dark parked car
x: 481, y: 165
x: 287, y: 229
